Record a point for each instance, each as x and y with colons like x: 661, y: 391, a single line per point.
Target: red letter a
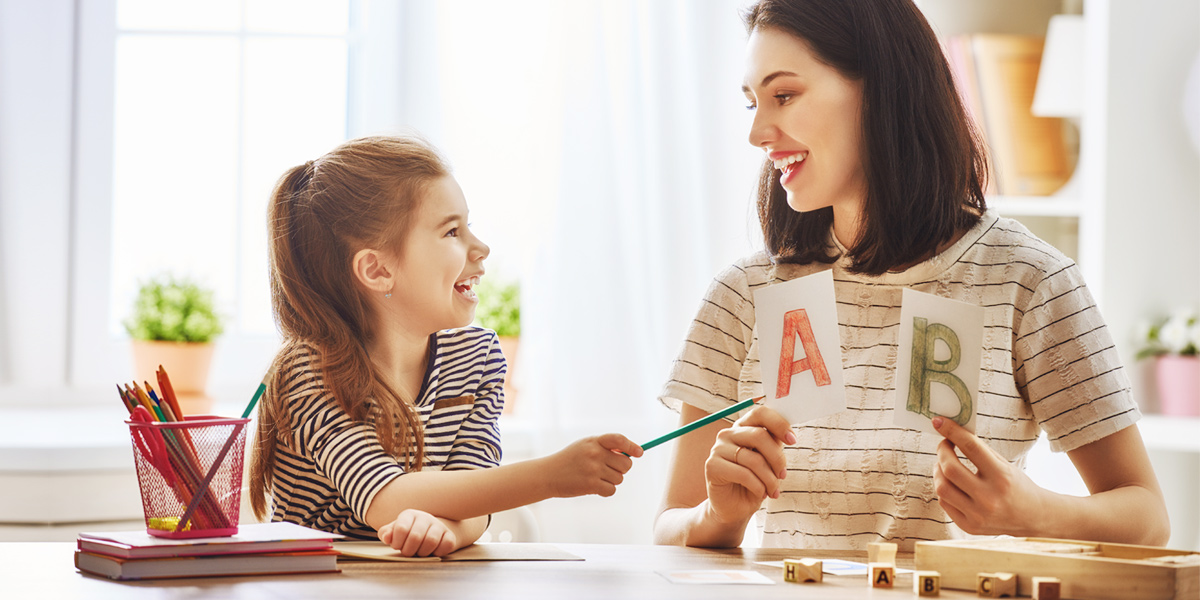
x: 795, y: 323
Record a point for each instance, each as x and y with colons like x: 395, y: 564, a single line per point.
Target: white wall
x: 1151, y: 234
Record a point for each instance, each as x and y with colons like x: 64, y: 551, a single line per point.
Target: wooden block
x: 803, y: 570
x: 927, y: 583
x: 1093, y: 570
x: 1047, y: 588
x: 881, y: 552
x: 997, y: 585
x: 882, y: 575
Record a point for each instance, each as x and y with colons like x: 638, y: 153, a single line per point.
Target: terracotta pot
x: 187, y: 366
x: 1178, y: 379
x: 509, y: 346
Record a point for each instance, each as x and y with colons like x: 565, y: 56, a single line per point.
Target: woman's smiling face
x: 807, y: 117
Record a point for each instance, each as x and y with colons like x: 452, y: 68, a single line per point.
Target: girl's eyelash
x: 453, y: 232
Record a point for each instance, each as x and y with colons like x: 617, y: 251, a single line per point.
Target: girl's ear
x: 373, y: 271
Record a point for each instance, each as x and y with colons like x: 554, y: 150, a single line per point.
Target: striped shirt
x: 329, y: 470
x: 1048, y: 364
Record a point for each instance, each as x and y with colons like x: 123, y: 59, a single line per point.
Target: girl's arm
x: 589, y: 466
x: 1126, y: 504
x: 713, y: 488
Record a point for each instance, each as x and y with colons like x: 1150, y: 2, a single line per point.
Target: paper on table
x: 367, y: 550
x: 717, y: 576
x: 834, y: 566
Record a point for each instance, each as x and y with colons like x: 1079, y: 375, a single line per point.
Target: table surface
x: 46, y: 570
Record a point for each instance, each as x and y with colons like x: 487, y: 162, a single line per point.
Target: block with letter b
x: 927, y: 583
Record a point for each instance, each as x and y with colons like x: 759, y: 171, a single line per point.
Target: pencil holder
x: 190, y: 474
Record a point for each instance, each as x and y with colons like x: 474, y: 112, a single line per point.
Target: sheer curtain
x: 651, y: 196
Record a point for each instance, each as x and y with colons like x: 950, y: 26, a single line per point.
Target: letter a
x: 926, y: 370
x: 795, y: 323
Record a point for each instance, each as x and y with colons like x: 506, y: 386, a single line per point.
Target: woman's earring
x: 387, y: 295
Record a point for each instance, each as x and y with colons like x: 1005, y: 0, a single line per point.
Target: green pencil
x: 262, y: 387
x: 701, y: 422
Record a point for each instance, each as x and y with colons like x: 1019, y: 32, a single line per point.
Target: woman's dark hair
x: 923, y: 158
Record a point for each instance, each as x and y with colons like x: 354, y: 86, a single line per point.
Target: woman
x: 874, y: 171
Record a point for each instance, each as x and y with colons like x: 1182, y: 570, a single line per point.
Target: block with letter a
x: 800, y: 351
x: 937, y: 361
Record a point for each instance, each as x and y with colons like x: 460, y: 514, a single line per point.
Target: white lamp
x: 1059, y: 90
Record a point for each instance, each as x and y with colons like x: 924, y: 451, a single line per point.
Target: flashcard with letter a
x: 800, y: 351
x: 937, y: 361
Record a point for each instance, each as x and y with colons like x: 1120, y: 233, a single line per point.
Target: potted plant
x: 499, y: 309
x: 173, y: 324
x: 1174, y: 343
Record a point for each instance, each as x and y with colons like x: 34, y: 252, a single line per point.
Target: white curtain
x: 651, y: 197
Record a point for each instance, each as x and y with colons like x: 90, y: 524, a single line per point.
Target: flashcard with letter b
x: 800, y: 351
x: 937, y: 361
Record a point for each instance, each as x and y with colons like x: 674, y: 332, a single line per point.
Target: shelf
x: 1035, y: 206
x: 1175, y: 434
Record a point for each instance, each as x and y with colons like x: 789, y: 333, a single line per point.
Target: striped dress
x: 330, y: 469
x: 1048, y: 364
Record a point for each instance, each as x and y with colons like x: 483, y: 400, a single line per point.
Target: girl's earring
x: 387, y: 295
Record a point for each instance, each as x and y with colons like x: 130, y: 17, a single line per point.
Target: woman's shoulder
x: 1011, y: 241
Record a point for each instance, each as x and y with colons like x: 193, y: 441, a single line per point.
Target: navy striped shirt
x: 330, y: 469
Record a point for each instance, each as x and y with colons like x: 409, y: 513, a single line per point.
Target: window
x: 211, y: 101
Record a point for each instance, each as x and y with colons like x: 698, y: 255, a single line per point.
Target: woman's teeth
x: 788, y: 161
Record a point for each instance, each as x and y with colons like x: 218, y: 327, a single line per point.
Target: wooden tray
x: 1087, y: 569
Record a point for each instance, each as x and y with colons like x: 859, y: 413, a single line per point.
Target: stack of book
x: 256, y: 549
x: 996, y: 75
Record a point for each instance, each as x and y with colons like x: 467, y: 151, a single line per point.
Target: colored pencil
x: 262, y: 387
x: 701, y: 422
x: 164, y: 384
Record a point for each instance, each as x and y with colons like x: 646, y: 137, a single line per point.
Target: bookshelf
x: 1132, y: 226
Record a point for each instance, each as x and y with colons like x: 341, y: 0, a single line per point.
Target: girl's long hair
x: 360, y: 195
x: 923, y: 158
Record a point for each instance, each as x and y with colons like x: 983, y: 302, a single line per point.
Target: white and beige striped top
x: 1049, y: 364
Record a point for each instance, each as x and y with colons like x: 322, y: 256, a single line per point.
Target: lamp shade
x: 1059, y: 90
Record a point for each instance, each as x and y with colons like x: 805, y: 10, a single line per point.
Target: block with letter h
x: 802, y: 570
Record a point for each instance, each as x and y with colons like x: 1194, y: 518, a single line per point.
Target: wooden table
x: 46, y: 570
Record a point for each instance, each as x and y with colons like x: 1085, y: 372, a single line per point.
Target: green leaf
x: 173, y: 309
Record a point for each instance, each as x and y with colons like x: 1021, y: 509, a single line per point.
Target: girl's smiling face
x: 440, y: 261
x: 807, y: 117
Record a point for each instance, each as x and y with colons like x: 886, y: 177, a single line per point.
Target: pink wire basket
x: 190, y: 474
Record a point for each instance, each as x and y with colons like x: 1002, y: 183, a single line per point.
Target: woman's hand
x: 418, y: 533
x: 746, y: 464
x: 997, y: 499
x: 593, y: 465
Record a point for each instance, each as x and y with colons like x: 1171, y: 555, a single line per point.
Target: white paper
x: 717, y: 576
x: 811, y: 386
x: 947, y: 379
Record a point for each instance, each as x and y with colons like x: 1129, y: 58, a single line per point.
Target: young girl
x: 874, y: 171
x: 380, y: 419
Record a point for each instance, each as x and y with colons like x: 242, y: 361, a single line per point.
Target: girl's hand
x: 418, y: 533
x: 998, y: 499
x: 593, y: 465
x: 746, y: 464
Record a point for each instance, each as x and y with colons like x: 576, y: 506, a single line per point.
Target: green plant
x: 499, y: 307
x: 173, y: 310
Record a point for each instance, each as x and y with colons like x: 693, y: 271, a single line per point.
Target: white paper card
x: 937, y: 361
x: 800, y: 351
x: 717, y: 576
